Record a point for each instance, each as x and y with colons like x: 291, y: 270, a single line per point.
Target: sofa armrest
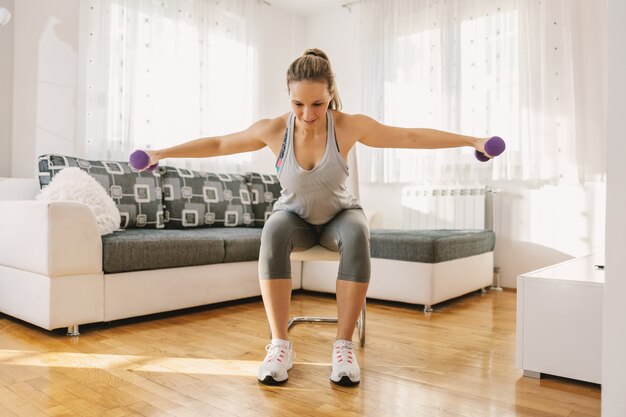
x: 49, y: 238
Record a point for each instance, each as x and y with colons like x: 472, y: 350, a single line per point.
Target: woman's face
x: 309, y: 101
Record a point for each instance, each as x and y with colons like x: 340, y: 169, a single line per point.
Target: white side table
x: 559, y: 320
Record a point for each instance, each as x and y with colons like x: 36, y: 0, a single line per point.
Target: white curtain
x: 159, y: 73
x: 481, y: 68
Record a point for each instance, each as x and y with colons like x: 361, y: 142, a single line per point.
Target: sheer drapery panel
x: 159, y: 73
x: 480, y: 68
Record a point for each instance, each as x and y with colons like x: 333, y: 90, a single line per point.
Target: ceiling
x: 308, y: 7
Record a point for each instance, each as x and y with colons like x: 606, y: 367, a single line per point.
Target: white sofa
x: 51, y: 272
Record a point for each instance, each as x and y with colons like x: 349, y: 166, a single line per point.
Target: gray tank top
x: 315, y: 195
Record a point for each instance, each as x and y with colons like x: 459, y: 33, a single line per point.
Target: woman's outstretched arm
x: 251, y: 139
x: 378, y: 135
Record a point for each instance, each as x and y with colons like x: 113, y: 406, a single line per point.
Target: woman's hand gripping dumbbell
x: 494, y: 146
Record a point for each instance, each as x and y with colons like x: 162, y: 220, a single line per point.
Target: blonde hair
x: 314, y: 65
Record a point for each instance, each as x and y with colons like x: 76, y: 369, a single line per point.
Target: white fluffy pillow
x: 73, y: 184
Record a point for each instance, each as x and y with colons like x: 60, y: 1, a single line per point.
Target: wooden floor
x: 458, y: 361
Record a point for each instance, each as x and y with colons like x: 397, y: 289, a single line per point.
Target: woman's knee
x: 354, y: 242
x: 353, y: 230
x: 282, y: 232
x: 279, y: 226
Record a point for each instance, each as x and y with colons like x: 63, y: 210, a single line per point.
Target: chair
x: 320, y: 253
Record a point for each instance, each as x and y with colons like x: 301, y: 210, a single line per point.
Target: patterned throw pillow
x: 201, y: 199
x: 264, y: 190
x: 136, y: 194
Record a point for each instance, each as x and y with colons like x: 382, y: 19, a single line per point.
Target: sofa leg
x: 73, y: 330
x: 483, y: 291
x: 428, y: 308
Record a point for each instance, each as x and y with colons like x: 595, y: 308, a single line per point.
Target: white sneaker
x: 277, y: 362
x: 346, y: 369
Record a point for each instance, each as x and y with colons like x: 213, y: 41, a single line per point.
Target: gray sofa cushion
x: 430, y: 246
x: 135, y: 250
x: 264, y: 190
x: 136, y: 194
x: 241, y: 244
x: 201, y: 199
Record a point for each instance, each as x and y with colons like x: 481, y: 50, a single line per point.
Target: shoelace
x: 277, y: 353
x: 344, y: 353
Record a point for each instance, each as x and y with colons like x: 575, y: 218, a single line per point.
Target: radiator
x: 454, y: 207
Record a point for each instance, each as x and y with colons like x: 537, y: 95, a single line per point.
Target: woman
x: 311, y: 145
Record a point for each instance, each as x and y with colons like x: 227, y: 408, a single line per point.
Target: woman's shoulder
x: 269, y: 126
x: 350, y: 121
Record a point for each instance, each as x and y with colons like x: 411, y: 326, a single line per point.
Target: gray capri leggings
x: 347, y: 233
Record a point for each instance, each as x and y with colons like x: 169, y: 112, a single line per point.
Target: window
x: 161, y: 73
x: 455, y: 69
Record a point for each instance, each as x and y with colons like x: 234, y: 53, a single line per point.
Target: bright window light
x: 170, y: 80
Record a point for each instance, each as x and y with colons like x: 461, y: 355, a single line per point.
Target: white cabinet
x: 559, y: 320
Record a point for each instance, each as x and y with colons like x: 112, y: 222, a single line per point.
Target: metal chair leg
x: 306, y: 319
x: 361, y: 326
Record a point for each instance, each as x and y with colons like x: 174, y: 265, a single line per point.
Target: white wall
x: 614, y: 339
x: 538, y: 227
x: 6, y: 90
x: 282, y: 40
x: 45, y: 80
x: 336, y: 33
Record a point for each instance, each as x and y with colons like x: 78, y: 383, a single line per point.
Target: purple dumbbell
x: 494, y: 147
x: 140, y: 161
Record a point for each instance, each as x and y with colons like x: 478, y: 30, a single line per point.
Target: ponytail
x: 314, y: 65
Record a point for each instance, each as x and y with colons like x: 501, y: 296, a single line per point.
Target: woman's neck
x: 311, y: 132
